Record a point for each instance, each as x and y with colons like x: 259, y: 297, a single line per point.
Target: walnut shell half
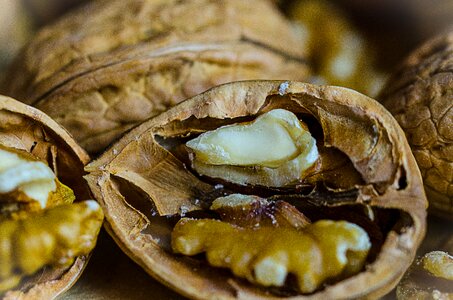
x: 26, y: 128
x: 112, y: 64
x: 367, y: 175
x: 420, y: 96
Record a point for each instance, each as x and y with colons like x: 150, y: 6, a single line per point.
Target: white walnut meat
x: 365, y: 174
x: 110, y: 65
x: 274, y: 150
x: 30, y: 181
x: 41, y: 169
x: 419, y: 95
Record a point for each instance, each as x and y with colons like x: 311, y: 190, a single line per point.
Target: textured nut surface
x: 366, y: 175
x: 34, y: 136
x: 53, y: 237
x: 111, y: 65
x: 439, y: 264
x: 252, y: 211
x: 266, y: 255
x: 420, y: 96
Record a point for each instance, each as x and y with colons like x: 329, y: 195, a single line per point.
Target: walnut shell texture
x: 142, y: 183
x: 112, y: 64
x: 420, y: 96
x: 26, y: 128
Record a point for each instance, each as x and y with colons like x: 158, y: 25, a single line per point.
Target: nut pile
x: 220, y: 173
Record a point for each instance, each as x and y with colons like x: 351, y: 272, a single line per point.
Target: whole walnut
x: 420, y: 97
x: 112, y: 64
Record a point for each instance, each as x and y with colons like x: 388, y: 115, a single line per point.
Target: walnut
x: 430, y: 277
x: 111, y: 65
x: 29, y: 243
x: 365, y: 175
x: 419, y: 95
x: 27, y: 180
x: 274, y: 150
x: 266, y: 255
x: 44, y: 238
x: 253, y: 211
x: 340, y: 55
x: 439, y: 264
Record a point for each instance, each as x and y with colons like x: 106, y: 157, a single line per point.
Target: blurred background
x: 371, y: 35
x: 386, y: 30
x: 354, y: 43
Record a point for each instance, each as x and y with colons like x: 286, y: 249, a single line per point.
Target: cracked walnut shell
x: 113, y: 64
x: 32, y: 134
x: 365, y: 175
x: 420, y: 96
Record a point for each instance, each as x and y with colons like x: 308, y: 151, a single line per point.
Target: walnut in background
x: 338, y: 51
x: 420, y: 96
x: 112, y: 64
x: 46, y: 11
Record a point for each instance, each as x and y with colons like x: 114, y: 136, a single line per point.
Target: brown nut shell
x: 112, y: 64
x: 143, y: 183
x: 420, y: 96
x: 26, y: 128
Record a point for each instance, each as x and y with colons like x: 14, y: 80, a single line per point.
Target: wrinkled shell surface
x: 138, y: 178
x: 420, y: 96
x: 113, y: 64
x: 26, y: 128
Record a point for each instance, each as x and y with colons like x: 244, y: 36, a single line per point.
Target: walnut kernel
x: 439, y: 264
x: 52, y: 237
x: 274, y: 150
x: 252, y: 211
x: 266, y: 255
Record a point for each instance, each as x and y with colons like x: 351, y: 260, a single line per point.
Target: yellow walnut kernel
x: 54, y: 236
x: 439, y: 264
x: 274, y: 150
x: 429, y: 278
x: 266, y: 255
